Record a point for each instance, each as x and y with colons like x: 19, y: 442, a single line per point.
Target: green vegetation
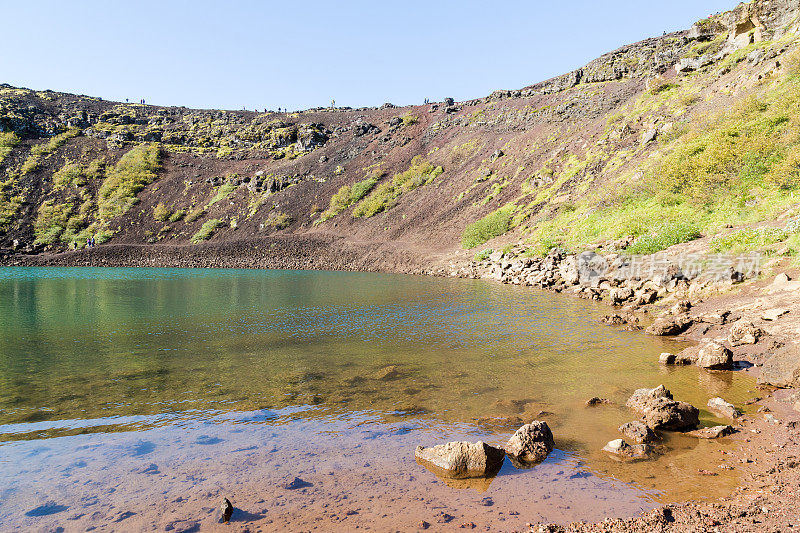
x: 206, y: 230
x: 194, y: 214
x: 409, y: 119
x: 177, y: 215
x: 9, y: 204
x: 278, y: 220
x: 386, y: 195
x: 70, y: 175
x: 346, y: 196
x: 51, y: 221
x: 7, y: 142
x: 748, y: 239
x: 223, y: 192
x: 42, y: 150
x: 492, y: 225
x: 664, y: 236
x: 484, y: 254
x: 135, y: 170
x: 161, y: 212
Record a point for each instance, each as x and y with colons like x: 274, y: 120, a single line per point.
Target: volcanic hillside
x: 654, y: 144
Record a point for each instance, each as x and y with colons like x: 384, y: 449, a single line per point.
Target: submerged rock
x: 721, y: 407
x: 531, y: 443
x: 462, y: 459
x: 387, y: 373
x: 638, y: 432
x: 623, y: 450
x: 715, y: 356
x: 666, y: 358
x: 660, y: 411
x: 714, y: 432
x: 596, y: 400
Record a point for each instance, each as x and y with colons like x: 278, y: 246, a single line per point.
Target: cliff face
x: 74, y: 167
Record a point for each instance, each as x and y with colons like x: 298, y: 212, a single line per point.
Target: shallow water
x: 143, y: 395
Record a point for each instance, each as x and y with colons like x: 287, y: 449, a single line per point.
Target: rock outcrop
x: 782, y: 369
x: 531, y: 443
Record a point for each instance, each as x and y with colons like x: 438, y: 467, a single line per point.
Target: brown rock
x: 595, y: 401
x: 782, y: 369
x: 462, y: 459
x: 660, y: 411
x: 621, y: 449
x: 669, y: 325
x: 715, y: 356
x: 531, y: 443
x: 714, y: 432
x: 722, y: 408
x: 638, y: 432
x: 744, y: 332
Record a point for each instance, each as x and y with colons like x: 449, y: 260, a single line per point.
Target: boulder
x: 782, y: 369
x: 620, y: 295
x: 666, y: 358
x: 660, y: 411
x: 722, y: 408
x: 743, y: 332
x: 714, y: 317
x: 638, y: 432
x: 462, y: 459
x: 711, y: 432
x: 596, y: 400
x: 669, y: 325
x: 623, y: 450
x: 715, y: 356
x: 531, y: 443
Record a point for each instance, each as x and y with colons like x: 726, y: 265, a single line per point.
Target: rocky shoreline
x: 737, y: 324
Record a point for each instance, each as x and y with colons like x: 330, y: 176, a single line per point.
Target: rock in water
x: 226, y: 509
x: 462, y: 459
x: 623, y: 450
x: 660, y: 411
x: 715, y: 356
x: 723, y: 408
x: 638, y: 432
x: 712, y: 432
x: 531, y: 443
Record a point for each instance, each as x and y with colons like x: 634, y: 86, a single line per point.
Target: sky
x: 297, y: 55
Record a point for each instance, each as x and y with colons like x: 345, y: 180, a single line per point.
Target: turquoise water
x: 128, y: 353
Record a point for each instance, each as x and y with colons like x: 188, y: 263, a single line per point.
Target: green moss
x: 7, y: 143
x: 492, y: 225
x: 194, y: 214
x: 278, y: 220
x: 42, y: 150
x: 51, y: 221
x: 70, y: 175
x: 207, y: 230
x: 135, y: 170
x: 223, y: 191
x: 177, y: 215
x: 346, y: 196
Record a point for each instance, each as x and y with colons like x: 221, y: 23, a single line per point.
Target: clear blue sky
x: 301, y: 54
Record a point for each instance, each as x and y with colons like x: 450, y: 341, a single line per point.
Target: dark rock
x: 294, y: 484
x: 595, y: 401
x: 226, y: 510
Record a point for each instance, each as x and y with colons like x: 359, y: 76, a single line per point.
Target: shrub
x: 136, y: 169
x: 409, y: 119
x: 177, y: 215
x: 385, y: 196
x: 206, y: 230
x: 70, y: 175
x: 40, y: 150
x: 194, y: 214
x: 51, y: 221
x: 346, y: 196
x: 7, y: 142
x: 161, y: 212
x: 663, y: 237
x: 492, y: 225
x: 278, y: 220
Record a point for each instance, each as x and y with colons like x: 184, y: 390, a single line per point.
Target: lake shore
x: 770, y: 439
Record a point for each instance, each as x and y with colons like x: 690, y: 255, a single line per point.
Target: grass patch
x: 223, y: 191
x: 70, y: 175
x: 135, y: 170
x: 483, y: 255
x: 42, y: 150
x: 386, y: 195
x: 194, y: 214
x: 664, y: 236
x: 278, y: 220
x: 177, y: 215
x: 206, y: 230
x: 748, y: 239
x: 7, y: 143
x: 346, y: 196
x: 492, y: 225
